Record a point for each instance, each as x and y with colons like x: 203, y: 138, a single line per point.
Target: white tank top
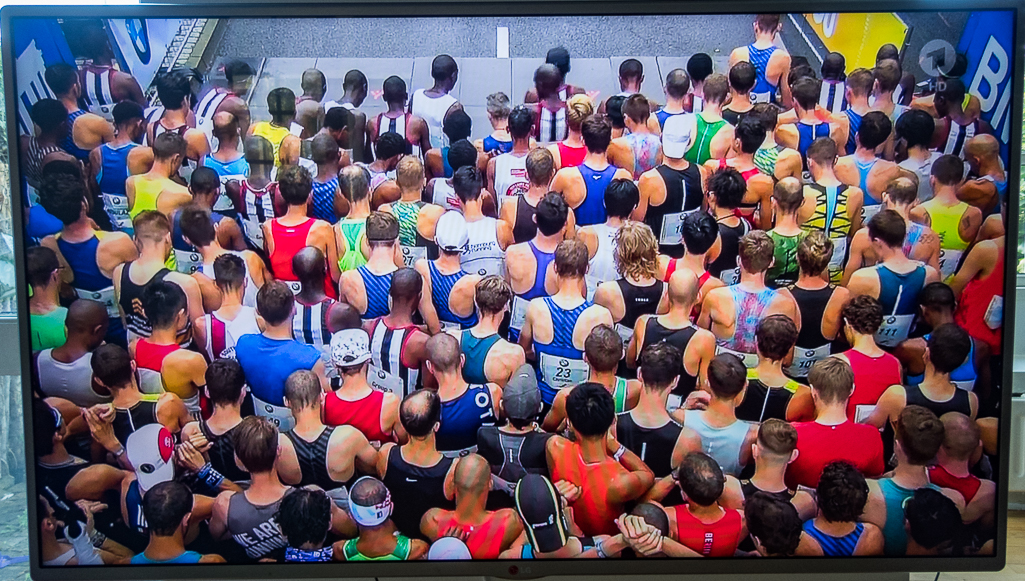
x: 244, y: 323
x: 432, y: 110
x: 483, y: 255
x: 445, y: 195
x: 510, y: 176
x: 603, y: 265
x: 71, y: 381
x: 249, y: 294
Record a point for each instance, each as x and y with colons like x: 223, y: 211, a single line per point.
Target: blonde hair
x: 578, y: 108
x: 410, y: 173
x: 636, y: 252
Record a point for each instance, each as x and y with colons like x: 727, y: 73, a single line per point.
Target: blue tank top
x: 81, y: 257
x: 186, y: 557
x: 592, y: 210
x: 563, y: 323
x: 491, y: 144
x: 835, y: 546
x: 898, y: 293
x: 662, y: 115
x: 759, y: 58
x: 476, y: 352
x: 323, y: 200
x: 462, y: 417
x: 966, y: 372
x: 267, y: 363
x: 855, y: 123
x: 865, y: 168
x: 441, y: 289
x: 234, y: 169
x: 543, y: 260
x: 807, y: 134
x: 378, y: 287
x: 113, y: 169
x: 444, y: 161
x: 895, y: 537
x: 69, y: 142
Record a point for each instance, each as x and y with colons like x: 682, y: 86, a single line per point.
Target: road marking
x: 503, y: 42
x: 805, y: 37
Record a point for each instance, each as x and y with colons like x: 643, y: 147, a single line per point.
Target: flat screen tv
x: 526, y: 290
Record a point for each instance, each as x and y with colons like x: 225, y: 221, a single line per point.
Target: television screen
x: 501, y: 292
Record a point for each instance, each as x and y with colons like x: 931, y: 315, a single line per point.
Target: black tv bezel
x: 518, y: 569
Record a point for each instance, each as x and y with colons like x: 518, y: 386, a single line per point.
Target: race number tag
x: 187, y: 262
x: 862, y: 412
x: 410, y: 254
x: 562, y: 372
x: 836, y: 261
x: 278, y: 415
x: 994, y: 316
x: 150, y: 381
x: 730, y: 276
x: 750, y: 360
x: 868, y: 211
x: 382, y: 380
x: 519, y: 313
x: 805, y: 358
x: 672, y: 229
x: 895, y: 328
x: 949, y: 260
x: 967, y: 385
x: 116, y: 207
x: 294, y: 286
x: 254, y: 232
x: 105, y: 296
x: 674, y: 402
x: 591, y: 282
x: 625, y: 333
x: 761, y: 97
x: 447, y: 327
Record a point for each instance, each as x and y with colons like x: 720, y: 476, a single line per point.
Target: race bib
x: 382, y: 380
x: 994, y: 316
x: 459, y: 453
x: 254, y: 232
x: 730, y: 277
x: 862, y: 412
x: 626, y: 334
x: 868, y: 211
x: 150, y: 381
x: 105, y: 296
x: 750, y: 360
x: 761, y: 97
x: 805, y: 358
x: 562, y: 372
x: 410, y: 254
x: 894, y: 329
x: 447, y: 327
x: 949, y: 260
x: 294, y: 286
x: 592, y: 283
x: 187, y: 262
x: 672, y: 229
x: 116, y: 207
x: 674, y: 402
x: 519, y: 313
x: 836, y: 261
x: 967, y: 385
x: 278, y: 415
x: 223, y: 202
x: 105, y: 111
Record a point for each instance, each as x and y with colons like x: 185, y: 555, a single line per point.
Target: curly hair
x: 636, y: 252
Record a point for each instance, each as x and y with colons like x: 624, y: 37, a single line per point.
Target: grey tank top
x: 254, y: 528
x: 722, y: 444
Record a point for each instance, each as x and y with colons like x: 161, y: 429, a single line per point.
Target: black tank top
x: 524, y: 229
x: 639, y: 300
x: 130, y: 300
x: 748, y: 488
x: 959, y: 403
x: 415, y: 490
x: 683, y: 193
x: 512, y: 456
x: 812, y: 305
x: 127, y: 421
x: 729, y: 250
x: 222, y: 453
x: 679, y: 338
x: 653, y: 445
x: 762, y: 402
x: 312, y: 457
x: 733, y: 117
x: 52, y: 481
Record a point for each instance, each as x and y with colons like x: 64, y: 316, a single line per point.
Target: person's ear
x: 430, y: 367
x: 462, y: 361
x: 185, y: 521
x: 794, y: 455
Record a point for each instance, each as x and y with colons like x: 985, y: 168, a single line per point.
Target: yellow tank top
x: 946, y: 221
x: 147, y: 190
x: 275, y: 135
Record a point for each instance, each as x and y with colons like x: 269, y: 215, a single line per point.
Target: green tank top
x: 353, y: 231
x: 765, y: 160
x: 784, y: 269
x: 701, y: 151
x: 407, y: 213
x: 895, y: 537
x: 619, y: 395
x: 48, y: 330
x: 401, y: 552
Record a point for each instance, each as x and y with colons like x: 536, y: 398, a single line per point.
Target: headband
x: 370, y: 516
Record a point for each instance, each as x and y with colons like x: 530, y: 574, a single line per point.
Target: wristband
x: 619, y: 453
x: 600, y: 549
x: 210, y: 477
x: 120, y: 452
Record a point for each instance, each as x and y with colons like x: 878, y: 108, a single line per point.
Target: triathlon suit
x: 637, y: 301
x: 187, y: 259
x: 69, y: 141
x: 764, y: 91
x: 645, y: 148
x: 960, y: 402
x: 701, y: 150
x: 267, y: 363
x: 110, y: 177
x: 946, y: 222
x: 913, y: 234
x: 461, y: 418
x: 313, y: 458
x: 254, y: 527
x: 833, y: 98
x: 872, y: 377
x: 288, y: 240
x: 495, y: 146
x: 441, y: 291
x: 725, y: 267
x: 830, y: 217
x: 257, y: 208
x: 350, y: 551
x: 592, y: 210
x: 749, y: 489
x: 571, y: 156
x: 186, y: 557
x: 414, y: 246
x: 655, y: 332
x: 510, y: 177
x: 683, y: 196
x: 483, y: 255
x: 594, y: 513
x: 388, y: 371
x: 957, y: 135
x: 654, y: 446
x: 309, y: 323
x: 398, y: 125
x: 236, y: 170
x: 130, y: 301
x: 898, y: 295
x: 524, y: 228
x: 222, y: 453
x: 445, y: 195
x: 272, y: 133
x: 806, y: 135
x: 364, y: 414
x: 415, y: 490
x: 762, y: 402
x: 432, y: 110
x: 353, y: 230
x: 188, y: 164
x: 662, y: 115
x: 963, y: 377
x: 378, y: 288
x: 150, y: 358
x: 811, y: 345
x: 550, y: 125
x: 744, y: 210
x: 854, y: 121
x: 128, y: 420
x: 90, y: 283
x: 871, y: 205
x: 784, y: 269
x: 207, y: 108
x: 602, y: 267
x: 733, y: 117
x: 968, y: 486
x: 981, y: 308
x: 718, y: 539
x: 476, y: 351
x: 750, y: 308
x: 765, y: 159
x: 560, y: 363
x: 322, y: 200
x: 835, y: 546
x: 446, y: 167
x: 923, y: 169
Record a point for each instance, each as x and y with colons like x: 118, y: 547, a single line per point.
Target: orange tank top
x: 593, y: 511
x: 484, y: 540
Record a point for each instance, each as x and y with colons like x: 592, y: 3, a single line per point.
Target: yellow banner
x: 858, y: 36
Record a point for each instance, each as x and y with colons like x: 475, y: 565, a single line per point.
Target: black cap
x: 540, y: 507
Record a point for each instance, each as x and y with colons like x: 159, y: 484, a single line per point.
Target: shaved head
x: 85, y: 317
x: 225, y: 125
x: 983, y: 146
x: 259, y: 151
x: 443, y: 352
x: 683, y: 288
x: 960, y: 435
x: 406, y: 286
x: 324, y: 148
x: 369, y: 491
x: 472, y: 476
x: 347, y: 316
x: 309, y: 265
x: 547, y: 78
x: 314, y: 83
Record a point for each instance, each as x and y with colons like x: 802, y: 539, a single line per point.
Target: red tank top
x: 484, y: 540
x: 150, y: 356
x: 718, y: 539
x: 872, y: 375
x: 594, y: 513
x: 363, y: 414
x: 571, y: 156
x: 968, y: 486
x: 287, y: 241
x: 975, y: 300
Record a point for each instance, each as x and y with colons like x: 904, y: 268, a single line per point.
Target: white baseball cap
x: 451, y: 234
x: 150, y: 451
x: 676, y: 134
x: 448, y: 549
x: 350, y: 347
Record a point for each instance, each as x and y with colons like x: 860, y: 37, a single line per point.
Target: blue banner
x: 988, y: 43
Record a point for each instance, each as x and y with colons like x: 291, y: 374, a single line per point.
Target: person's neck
x: 227, y: 148
x: 901, y: 209
x: 327, y: 171
x: 698, y: 88
x: 440, y: 88
x: 349, y: 97
x: 574, y: 138
x: 806, y: 114
x: 70, y: 103
x: 884, y: 100
x: 740, y: 101
x: 231, y: 300
x: 174, y: 117
x: 410, y: 195
x: 125, y: 396
x: 521, y: 145
x: 80, y: 230
x: 225, y: 415
x: 472, y: 210
x: 723, y: 408
x: 76, y: 347
x: 859, y: 105
x: 488, y: 325
x: 606, y: 378
x: 892, y: 256
x: 636, y: 128
x: 59, y: 455
x: 745, y: 160
x: 45, y: 298
x: 787, y: 223
x: 165, y: 336
x: 835, y: 529
x: 596, y: 160
x: 908, y: 475
x: 160, y: 170
x: 719, y: 212
x: 380, y: 166
x: 678, y: 315
x: 259, y: 175
x: 381, y: 258
x: 831, y: 414
x: 448, y: 262
x: 826, y: 177
x: 296, y: 213
x: 121, y: 138
x: 712, y: 109
x: 283, y: 122
x: 764, y: 39
x: 281, y: 332
x: 919, y: 153
x: 936, y: 318
x: 630, y: 86
x: 768, y: 476
x: 570, y: 289
x: 679, y: 163
x: 152, y: 253
x: 615, y: 222
x: 711, y: 511
x: 547, y: 243
x: 422, y: 449
x: 810, y: 281
x: 947, y: 195
x: 652, y: 406
x: 360, y: 209
x: 535, y: 193
x: 211, y: 251
x: 673, y: 105
x: 770, y: 140
x: 165, y: 548
x: 864, y: 154
x: 354, y: 385
x: 752, y: 280
x: 396, y: 107
x: 264, y: 482
x: 401, y: 315
x: 770, y: 370
x: 956, y: 468
x: 693, y: 262
x: 866, y: 344
x: 937, y: 383
x: 500, y: 126
x: 449, y: 382
x: 307, y: 421
x: 471, y: 508
x: 593, y: 450
x: 991, y: 167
